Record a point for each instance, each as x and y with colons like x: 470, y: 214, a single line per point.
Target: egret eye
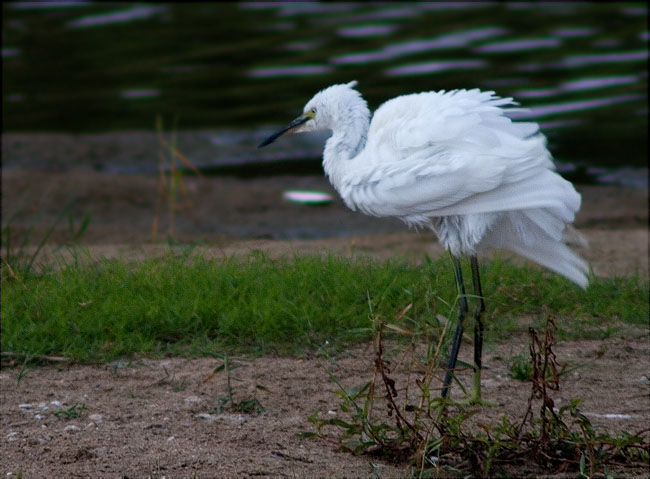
x: 313, y: 110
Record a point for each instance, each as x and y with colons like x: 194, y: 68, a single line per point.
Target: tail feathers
x: 538, y: 236
x: 573, y: 237
x: 547, y: 223
x: 556, y: 257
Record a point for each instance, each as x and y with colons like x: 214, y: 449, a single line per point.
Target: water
x: 579, y: 68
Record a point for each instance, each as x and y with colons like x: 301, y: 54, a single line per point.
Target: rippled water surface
x: 579, y: 68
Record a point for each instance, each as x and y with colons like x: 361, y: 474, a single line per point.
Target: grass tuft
x: 520, y: 367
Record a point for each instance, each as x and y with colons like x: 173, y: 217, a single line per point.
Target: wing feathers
x: 449, y: 153
x: 458, y: 155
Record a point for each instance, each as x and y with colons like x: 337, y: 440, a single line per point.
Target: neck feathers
x: 349, y: 134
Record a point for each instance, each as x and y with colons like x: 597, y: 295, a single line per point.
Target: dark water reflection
x: 581, y: 69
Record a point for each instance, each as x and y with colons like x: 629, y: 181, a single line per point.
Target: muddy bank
x: 227, y: 215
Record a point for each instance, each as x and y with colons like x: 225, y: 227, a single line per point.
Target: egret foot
x: 475, y: 399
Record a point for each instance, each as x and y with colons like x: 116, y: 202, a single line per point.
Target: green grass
x: 186, y: 304
x: 73, y: 412
x: 520, y: 367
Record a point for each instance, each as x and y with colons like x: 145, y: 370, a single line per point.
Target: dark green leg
x: 478, y: 330
x: 462, y: 314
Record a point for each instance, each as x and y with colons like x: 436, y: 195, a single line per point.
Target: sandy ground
x: 146, y: 418
x: 160, y: 418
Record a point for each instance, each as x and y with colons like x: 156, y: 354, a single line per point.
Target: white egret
x: 455, y: 163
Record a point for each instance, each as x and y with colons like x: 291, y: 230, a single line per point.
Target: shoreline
x: 234, y: 216
x: 225, y: 153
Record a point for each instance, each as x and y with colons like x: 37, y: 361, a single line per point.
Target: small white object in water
x: 306, y: 197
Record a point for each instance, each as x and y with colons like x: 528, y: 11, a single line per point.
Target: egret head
x: 321, y: 111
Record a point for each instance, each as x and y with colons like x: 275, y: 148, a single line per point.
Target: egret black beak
x: 294, y: 124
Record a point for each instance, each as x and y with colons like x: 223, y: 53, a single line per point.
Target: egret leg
x: 478, y: 329
x: 458, y: 335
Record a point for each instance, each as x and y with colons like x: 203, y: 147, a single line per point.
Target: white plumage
x: 452, y: 162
